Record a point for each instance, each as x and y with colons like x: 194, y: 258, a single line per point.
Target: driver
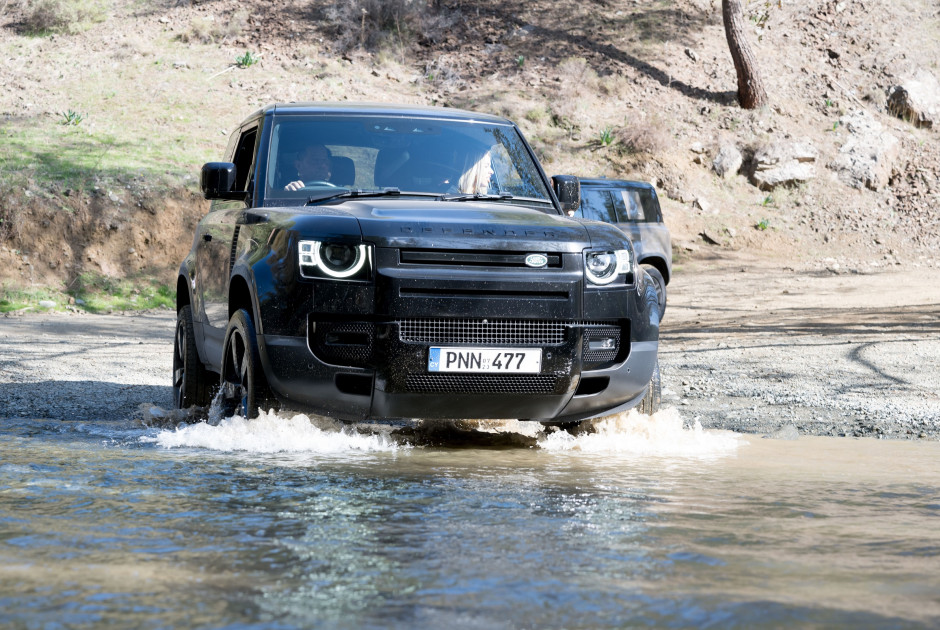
x: 314, y: 164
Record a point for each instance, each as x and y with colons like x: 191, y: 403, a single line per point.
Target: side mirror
x: 218, y: 180
x: 568, y: 191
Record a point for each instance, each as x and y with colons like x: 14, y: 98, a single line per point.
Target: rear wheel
x: 660, y: 284
x: 192, y: 382
x: 244, y: 389
x: 650, y: 403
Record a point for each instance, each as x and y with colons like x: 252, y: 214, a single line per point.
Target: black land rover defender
x: 381, y: 262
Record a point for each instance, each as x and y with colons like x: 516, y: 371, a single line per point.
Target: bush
x: 211, y: 31
x: 650, y: 136
x: 576, y: 77
x: 387, y: 23
x: 63, y: 16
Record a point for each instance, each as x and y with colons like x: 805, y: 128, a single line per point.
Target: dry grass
x: 650, y: 135
x: 387, y: 24
x: 573, y: 110
x: 207, y: 30
x: 65, y: 16
x: 444, y: 73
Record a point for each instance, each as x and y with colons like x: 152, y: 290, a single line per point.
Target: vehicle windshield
x: 314, y: 157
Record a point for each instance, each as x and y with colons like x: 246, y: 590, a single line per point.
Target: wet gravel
x: 779, y: 353
x: 782, y: 351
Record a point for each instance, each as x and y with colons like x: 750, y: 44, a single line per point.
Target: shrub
x: 64, y: 16
x: 211, y: 31
x: 650, y: 136
x: 387, y: 23
x: 443, y: 72
x: 576, y: 78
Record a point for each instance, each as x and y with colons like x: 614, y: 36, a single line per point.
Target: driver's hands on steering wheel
x: 299, y: 185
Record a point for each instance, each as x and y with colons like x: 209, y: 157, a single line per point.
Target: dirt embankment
x: 112, y: 234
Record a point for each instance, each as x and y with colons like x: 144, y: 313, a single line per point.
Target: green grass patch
x: 97, y: 293
x: 153, y: 118
x: 92, y: 293
x: 18, y: 299
x: 70, y: 156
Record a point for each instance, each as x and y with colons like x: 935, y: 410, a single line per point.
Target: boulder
x: 784, y: 163
x: 869, y: 153
x: 917, y: 100
x: 728, y: 161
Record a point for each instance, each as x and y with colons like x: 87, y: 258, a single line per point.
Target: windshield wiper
x: 477, y: 197
x: 358, y: 192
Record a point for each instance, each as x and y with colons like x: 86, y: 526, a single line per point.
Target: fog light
x: 595, y: 345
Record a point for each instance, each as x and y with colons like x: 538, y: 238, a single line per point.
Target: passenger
x: 314, y: 164
x: 476, y: 180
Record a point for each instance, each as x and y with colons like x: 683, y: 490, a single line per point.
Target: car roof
x: 614, y: 183
x: 380, y: 109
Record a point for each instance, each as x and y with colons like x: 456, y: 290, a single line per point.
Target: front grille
x: 482, y: 383
x: 466, y: 258
x: 501, y: 332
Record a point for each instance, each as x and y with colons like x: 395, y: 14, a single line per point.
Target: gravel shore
x: 746, y: 347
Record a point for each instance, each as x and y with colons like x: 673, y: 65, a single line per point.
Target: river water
x: 300, y: 523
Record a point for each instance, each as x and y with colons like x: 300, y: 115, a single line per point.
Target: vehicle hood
x: 406, y: 223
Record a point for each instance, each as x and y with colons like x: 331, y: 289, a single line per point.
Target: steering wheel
x: 319, y: 183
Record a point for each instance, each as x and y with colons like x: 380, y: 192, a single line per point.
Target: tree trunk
x: 751, y: 93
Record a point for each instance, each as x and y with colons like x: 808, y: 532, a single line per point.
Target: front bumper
x: 360, y: 351
x: 386, y: 376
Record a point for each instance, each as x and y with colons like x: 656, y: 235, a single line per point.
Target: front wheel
x: 650, y: 403
x: 660, y: 284
x: 192, y: 382
x: 244, y: 388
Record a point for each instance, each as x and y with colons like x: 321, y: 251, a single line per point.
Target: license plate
x: 504, y: 360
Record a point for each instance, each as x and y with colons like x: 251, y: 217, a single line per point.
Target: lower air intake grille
x: 505, y: 332
x: 482, y: 383
x: 601, y: 355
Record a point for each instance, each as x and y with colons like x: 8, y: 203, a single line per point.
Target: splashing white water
x: 270, y: 433
x: 633, y: 433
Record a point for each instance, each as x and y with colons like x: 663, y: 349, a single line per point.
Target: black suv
x: 382, y: 262
x: 634, y: 208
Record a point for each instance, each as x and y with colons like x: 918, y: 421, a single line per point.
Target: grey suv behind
x: 634, y: 208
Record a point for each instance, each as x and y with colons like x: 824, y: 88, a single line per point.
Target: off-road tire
x: 245, y: 390
x: 660, y: 284
x: 193, y: 384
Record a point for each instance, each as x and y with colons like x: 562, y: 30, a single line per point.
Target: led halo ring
x: 312, y: 257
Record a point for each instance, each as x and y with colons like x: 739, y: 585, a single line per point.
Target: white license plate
x: 504, y: 360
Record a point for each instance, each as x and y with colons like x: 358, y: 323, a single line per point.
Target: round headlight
x: 334, y: 260
x: 340, y: 260
x: 601, y: 267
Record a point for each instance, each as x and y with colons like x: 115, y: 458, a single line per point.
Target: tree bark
x: 751, y: 92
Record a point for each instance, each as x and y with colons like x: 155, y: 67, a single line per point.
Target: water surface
x: 300, y: 523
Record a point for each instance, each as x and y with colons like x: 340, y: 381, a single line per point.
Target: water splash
x: 271, y: 433
x: 633, y: 433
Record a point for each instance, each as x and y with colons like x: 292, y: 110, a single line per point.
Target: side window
x: 633, y: 206
x: 244, y: 158
x: 598, y: 205
x: 651, y: 206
